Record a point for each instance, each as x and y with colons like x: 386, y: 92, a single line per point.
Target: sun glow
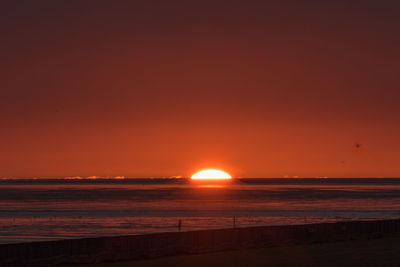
x: 211, y: 175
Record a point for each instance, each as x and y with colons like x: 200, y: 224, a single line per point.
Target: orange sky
x: 156, y: 89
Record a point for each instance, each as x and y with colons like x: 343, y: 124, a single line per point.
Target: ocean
x: 52, y: 209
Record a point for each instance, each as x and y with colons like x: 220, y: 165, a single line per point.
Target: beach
x: 164, y: 245
x: 371, y: 252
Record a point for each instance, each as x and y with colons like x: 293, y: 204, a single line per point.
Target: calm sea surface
x: 32, y: 210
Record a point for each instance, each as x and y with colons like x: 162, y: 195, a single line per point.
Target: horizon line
x: 183, y: 177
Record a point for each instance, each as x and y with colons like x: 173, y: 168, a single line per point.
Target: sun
x: 211, y: 174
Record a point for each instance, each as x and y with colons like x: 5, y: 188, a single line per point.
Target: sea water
x: 52, y: 209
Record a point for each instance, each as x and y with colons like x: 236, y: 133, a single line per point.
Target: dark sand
x: 372, y: 252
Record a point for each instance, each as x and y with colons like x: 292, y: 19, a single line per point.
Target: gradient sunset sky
x: 165, y: 88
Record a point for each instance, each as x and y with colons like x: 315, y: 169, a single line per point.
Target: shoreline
x: 151, y: 246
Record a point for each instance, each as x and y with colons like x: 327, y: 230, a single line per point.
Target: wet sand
x: 371, y: 252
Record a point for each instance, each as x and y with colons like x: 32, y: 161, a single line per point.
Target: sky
x: 166, y: 88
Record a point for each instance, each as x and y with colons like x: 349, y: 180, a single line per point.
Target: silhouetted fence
x: 91, y: 250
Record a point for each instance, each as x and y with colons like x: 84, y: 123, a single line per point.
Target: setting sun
x: 211, y: 175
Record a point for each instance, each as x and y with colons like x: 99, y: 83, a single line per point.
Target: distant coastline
x: 183, y: 180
